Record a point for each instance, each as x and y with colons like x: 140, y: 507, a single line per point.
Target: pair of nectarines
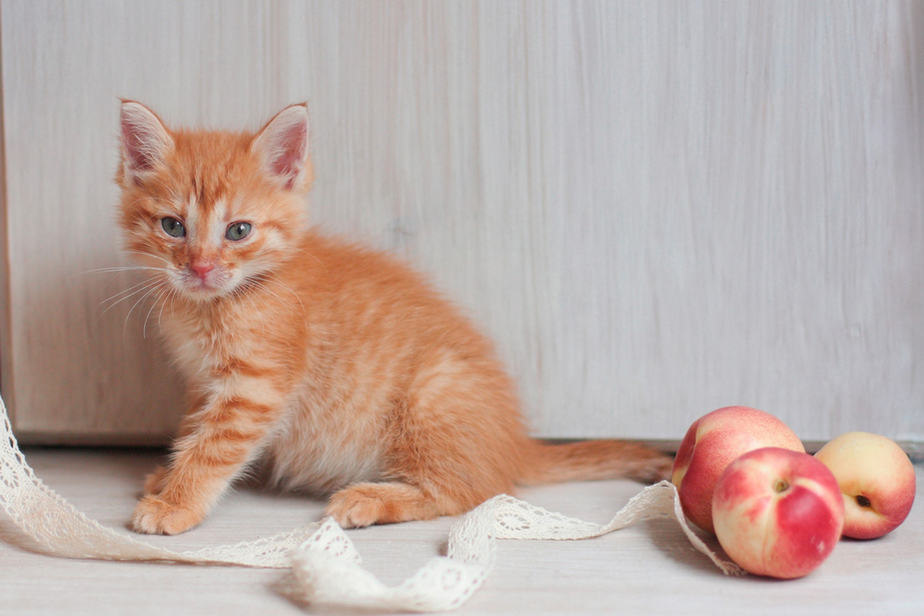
x: 744, y: 475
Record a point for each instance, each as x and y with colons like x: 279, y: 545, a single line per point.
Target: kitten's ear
x: 282, y: 146
x: 145, y: 140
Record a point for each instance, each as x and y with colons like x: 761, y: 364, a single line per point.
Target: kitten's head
x: 213, y: 209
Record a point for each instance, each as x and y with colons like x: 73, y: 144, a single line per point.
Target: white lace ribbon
x: 325, y: 566
x: 58, y: 527
x: 327, y: 569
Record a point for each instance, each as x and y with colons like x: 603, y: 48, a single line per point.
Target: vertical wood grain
x: 654, y: 208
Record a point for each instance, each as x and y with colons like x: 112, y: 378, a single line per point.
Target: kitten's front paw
x: 156, y: 516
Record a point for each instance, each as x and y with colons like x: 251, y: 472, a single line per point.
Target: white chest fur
x: 323, y: 446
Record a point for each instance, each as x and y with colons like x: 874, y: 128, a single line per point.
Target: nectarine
x: 777, y: 512
x: 710, y: 445
x: 877, y: 481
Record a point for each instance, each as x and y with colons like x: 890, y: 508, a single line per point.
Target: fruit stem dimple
x: 863, y: 501
x: 781, y: 485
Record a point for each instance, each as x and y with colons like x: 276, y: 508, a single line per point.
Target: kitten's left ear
x: 282, y: 146
x: 145, y: 141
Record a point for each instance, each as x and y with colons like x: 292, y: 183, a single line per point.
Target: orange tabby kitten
x: 336, y: 365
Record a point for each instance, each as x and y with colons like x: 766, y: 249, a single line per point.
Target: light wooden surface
x: 649, y: 569
x: 655, y: 208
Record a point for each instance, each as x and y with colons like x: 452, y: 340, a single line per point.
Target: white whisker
x: 150, y: 254
x: 170, y: 295
x: 289, y: 289
x: 158, y: 295
x: 131, y: 291
x: 124, y: 268
x: 128, y: 290
x: 241, y: 293
x: 141, y: 299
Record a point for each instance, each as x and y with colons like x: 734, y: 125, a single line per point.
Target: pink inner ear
x: 141, y: 156
x: 290, y: 153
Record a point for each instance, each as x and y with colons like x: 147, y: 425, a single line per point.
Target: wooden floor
x: 649, y: 569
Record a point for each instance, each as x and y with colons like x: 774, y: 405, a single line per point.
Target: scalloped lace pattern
x: 325, y: 566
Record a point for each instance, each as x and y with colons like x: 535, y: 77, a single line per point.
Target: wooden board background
x: 655, y: 208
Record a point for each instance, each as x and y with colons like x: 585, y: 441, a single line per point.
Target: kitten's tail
x: 588, y: 460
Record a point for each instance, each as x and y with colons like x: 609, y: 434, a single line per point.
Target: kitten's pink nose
x: 201, y: 267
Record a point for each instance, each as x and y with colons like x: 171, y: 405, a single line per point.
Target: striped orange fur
x: 337, y: 366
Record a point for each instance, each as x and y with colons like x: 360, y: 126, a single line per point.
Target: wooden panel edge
x: 32, y: 438
x: 6, y: 304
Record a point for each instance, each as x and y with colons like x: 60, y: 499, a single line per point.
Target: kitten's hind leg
x: 455, y: 442
x: 364, y: 504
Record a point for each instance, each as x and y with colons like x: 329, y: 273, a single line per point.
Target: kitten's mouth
x: 201, y: 285
x: 203, y: 288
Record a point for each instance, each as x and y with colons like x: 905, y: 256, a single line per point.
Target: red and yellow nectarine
x: 710, y: 445
x: 876, y: 478
x: 777, y: 512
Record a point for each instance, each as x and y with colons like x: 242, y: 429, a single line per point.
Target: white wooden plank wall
x: 655, y: 208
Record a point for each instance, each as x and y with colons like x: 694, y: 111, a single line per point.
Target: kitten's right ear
x: 282, y: 145
x: 145, y: 141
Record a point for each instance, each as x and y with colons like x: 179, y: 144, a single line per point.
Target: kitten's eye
x: 238, y: 231
x: 173, y: 227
